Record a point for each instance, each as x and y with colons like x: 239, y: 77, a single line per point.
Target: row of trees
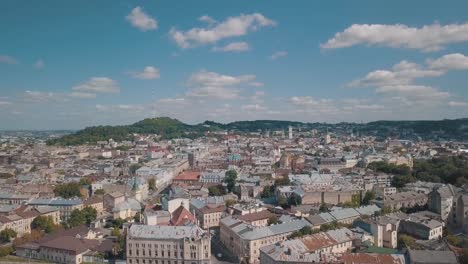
x: 453, y: 170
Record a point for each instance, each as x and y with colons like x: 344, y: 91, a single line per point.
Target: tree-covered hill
x: 169, y: 128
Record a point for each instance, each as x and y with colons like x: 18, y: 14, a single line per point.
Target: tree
x: 152, y: 184
x: 323, y: 208
x: 5, y: 251
x: 306, y: 230
x: 273, y: 220
x: 369, y: 196
x: 282, y: 202
x: 81, y: 217
x: 230, y: 202
x: 137, y: 217
x: 267, y: 192
x: 44, y: 223
x: 454, y: 240
x: 294, y: 200
x: 405, y: 241
x: 216, y: 190
x: 464, y: 256
x: 99, y: 192
x: 115, y: 232
x: 68, y: 190
x: 230, y: 179
x: 7, y: 234
x: 282, y: 181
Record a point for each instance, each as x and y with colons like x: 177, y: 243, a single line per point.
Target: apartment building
x: 208, y: 211
x: 168, y: 245
x: 65, y: 206
x: 245, y: 240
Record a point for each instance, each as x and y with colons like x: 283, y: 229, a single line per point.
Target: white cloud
x: 4, y: 102
x: 231, y: 27
x: 98, y: 85
x: 82, y: 95
x: 426, y: 38
x: 206, y: 78
x: 120, y: 107
x: 141, y: 20
x: 233, y: 47
x: 207, y: 19
x: 416, y: 93
x: 402, y: 73
x: 254, y: 107
x: 457, y: 104
x: 215, y: 85
x: 40, y: 97
x: 7, y: 59
x: 278, y: 55
x: 447, y: 62
x: 148, y: 73
x: 217, y: 92
x: 39, y: 64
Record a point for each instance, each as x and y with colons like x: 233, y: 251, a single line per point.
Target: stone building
x: 168, y: 244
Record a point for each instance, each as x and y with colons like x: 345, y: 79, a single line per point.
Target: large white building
x: 168, y: 245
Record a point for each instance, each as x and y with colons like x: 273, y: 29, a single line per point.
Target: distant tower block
x: 327, y: 139
x: 290, y: 132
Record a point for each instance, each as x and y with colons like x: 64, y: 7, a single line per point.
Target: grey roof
x: 368, y: 210
x: 432, y: 256
x: 344, y: 213
x: 249, y: 232
x: 56, y: 201
x: 165, y: 232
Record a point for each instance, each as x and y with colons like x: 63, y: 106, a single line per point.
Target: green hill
x: 169, y: 128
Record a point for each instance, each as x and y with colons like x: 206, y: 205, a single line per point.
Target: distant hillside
x: 166, y: 127
x: 169, y: 128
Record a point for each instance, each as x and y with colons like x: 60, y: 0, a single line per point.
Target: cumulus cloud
x: 207, y: 19
x: 278, y: 55
x: 7, y: 59
x: 426, y: 38
x: 415, y: 93
x: 39, y: 64
x: 455, y: 61
x: 214, y: 85
x: 403, y: 72
x: 141, y: 20
x: 231, y: 27
x: 148, y: 73
x: 233, y: 47
x: 98, y: 85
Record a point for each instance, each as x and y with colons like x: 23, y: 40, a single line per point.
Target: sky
x: 73, y: 64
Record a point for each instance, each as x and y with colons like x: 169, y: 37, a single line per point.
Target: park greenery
x: 453, y: 170
x: 7, y: 234
x: 230, y: 180
x: 81, y: 217
x: 44, y: 223
x: 68, y: 190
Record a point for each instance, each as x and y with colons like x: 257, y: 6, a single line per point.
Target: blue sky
x: 71, y: 64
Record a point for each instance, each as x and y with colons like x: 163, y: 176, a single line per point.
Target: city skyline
x: 76, y: 64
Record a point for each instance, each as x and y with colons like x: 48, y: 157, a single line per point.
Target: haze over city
x: 68, y: 65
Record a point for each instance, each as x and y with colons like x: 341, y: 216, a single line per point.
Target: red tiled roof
x: 188, y: 176
x: 181, y: 216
